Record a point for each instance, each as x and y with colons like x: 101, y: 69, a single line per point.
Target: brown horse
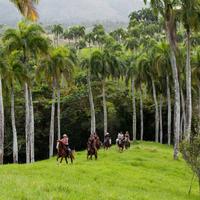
x: 121, y: 145
x: 63, y: 152
x: 127, y: 143
x: 107, y: 143
x: 98, y: 142
x: 92, y: 149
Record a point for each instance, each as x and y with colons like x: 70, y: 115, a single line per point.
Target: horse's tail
x: 72, y: 154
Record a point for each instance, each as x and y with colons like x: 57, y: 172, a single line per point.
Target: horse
x: 121, y: 145
x: 107, y: 143
x: 98, y: 143
x: 127, y: 143
x: 92, y: 149
x: 63, y: 152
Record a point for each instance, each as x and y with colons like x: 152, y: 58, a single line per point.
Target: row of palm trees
x: 26, y: 50
x: 111, y: 59
x: 187, y: 12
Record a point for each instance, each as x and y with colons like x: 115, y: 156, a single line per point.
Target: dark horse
x: 127, y: 143
x: 63, y: 152
x: 98, y: 142
x: 92, y: 148
x: 121, y: 145
x: 106, y: 143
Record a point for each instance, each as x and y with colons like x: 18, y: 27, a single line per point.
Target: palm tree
x: 131, y: 75
x: 146, y: 63
x: 166, y: 9
x: 105, y: 64
x: 190, y: 17
x: 89, y: 38
x: 98, y: 34
x: 57, y: 65
x: 57, y: 29
x: 29, y: 39
x: 118, y: 34
x: 86, y: 63
x: 14, y: 73
x: 140, y: 78
x: 2, y: 70
x: 162, y: 59
x: 196, y: 78
x: 27, y: 8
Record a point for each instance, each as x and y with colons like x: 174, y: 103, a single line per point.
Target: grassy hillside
x: 145, y: 172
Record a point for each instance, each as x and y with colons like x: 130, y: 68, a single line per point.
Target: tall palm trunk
x: 134, y: 110
x: 27, y: 126
x: 156, y: 111
x: 32, y: 131
x: 176, y: 105
x: 15, y: 143
x: 161, y: 124
x: 141, y: 115
x: 183, y: 117
x: 91, y: 100
x: 188, y: 90
x: 104, y: 108
x: 169, y: 112
x: 171, y: 34
x: 51, y: 135
x: 1, y: 124
x: 199, y: 108
x: 58, y: 110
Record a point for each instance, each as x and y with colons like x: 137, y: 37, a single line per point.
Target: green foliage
x: 191, y: 154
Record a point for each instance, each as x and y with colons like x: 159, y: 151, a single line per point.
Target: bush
x: 191, y: 154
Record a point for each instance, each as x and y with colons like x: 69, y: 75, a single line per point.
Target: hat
x: 65, y: 135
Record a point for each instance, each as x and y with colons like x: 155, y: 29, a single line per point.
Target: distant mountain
x: 74, y: 11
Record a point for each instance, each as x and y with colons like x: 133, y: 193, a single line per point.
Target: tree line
x: 156, y: 56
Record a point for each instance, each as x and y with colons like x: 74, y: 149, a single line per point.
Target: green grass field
x: 145, y: 172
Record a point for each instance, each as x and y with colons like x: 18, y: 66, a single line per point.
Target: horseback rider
x: 120, y: 138
x: 107, y: 138
x: 91, y: 140
x: 127, y: 136
x: 65, y: 141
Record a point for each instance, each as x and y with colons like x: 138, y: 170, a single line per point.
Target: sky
x: 74, y: 11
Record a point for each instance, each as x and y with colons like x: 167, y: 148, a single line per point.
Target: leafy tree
x: 191, y: 154
x: 2, y: 70
x: 27, y: 8
x: 57, y: 65
x: 86, y: 63
x: 98, y: 34
x: 57, y: 29
x: 14, y: 73
x: 167, y: 10
x: 162, y: 61
x: 104, y: 64
x: 190, y: 14
x: 29, y: 39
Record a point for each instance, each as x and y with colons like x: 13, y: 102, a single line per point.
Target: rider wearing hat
x: 127, y: 136
x: 65, y: 141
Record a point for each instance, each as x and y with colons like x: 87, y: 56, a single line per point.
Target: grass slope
x: 145, y: 172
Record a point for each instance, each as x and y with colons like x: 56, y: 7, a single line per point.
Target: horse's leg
x: 57, y: 159
x: 66, y: 160
x: 71, y: 157
x: 61, y: 159
x: 91, y: 156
